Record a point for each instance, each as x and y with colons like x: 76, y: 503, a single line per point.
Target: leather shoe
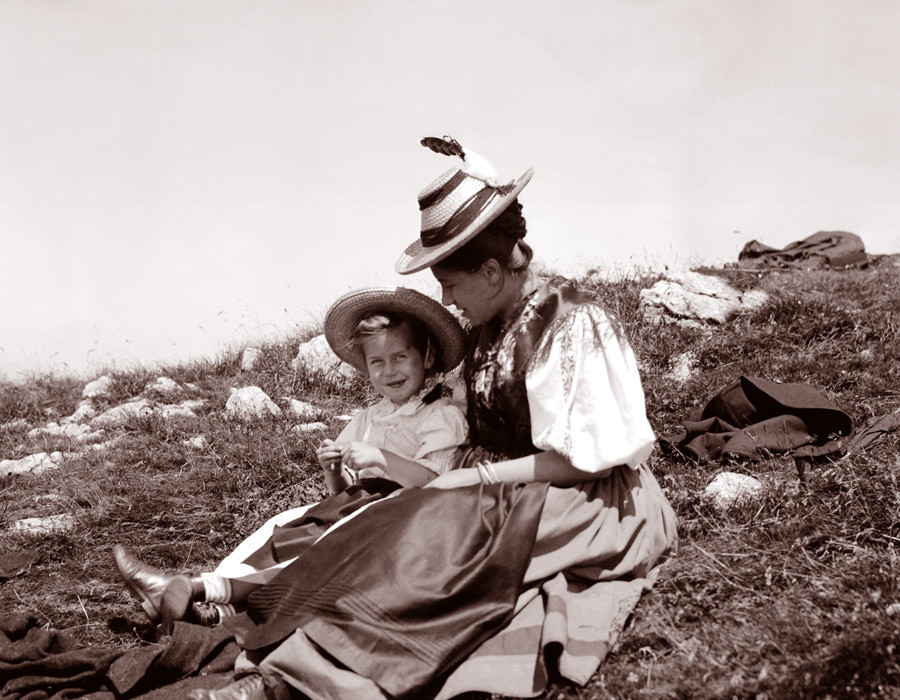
x: 203, y: 614
x: 165, y: 596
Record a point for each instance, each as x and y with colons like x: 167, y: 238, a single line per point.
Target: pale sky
x: 181, y: 176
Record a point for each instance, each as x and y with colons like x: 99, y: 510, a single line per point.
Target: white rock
x: 44, y: 526
x: 893, y: 609
x: 316, y: 355
x: 16, y: 424
x: 309, y: 427
x: 32, y: 464
x: 163, y: 385
x: 117, y: 415
x: 198, y: 442
x: 97, y: 388
x: 682, y: 367
x: 84, y: 412
x: 100, y: 446
x: 303, y: 409
x: 729, y: 488
x: 690, y: 295
x: 754, y: 299
x: 186, y: 409
x: 74, y: 431
x: 249, y: 358
x: 250, y: 402
x: 673, y: 297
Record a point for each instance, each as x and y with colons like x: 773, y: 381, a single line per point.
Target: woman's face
x: 470, y: 292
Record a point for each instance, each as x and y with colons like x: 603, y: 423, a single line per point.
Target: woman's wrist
x: 487, y: 473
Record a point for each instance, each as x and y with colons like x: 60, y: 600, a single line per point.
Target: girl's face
x: 396, y: 368
x: 470, y: 292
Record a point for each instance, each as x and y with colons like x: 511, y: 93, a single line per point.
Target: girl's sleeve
x: 355, y: 429
x: 442, y: 431
x: 585, y: 394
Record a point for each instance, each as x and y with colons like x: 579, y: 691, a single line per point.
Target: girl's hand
x: 359, y: 455
x: 455, y: 478
x: 329, y: 455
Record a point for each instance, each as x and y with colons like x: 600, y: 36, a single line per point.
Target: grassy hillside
x: 792, y: 595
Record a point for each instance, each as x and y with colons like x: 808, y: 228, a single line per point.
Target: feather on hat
x: 457, y: 206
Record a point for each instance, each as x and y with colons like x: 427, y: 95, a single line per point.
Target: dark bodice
x: 496, y: 363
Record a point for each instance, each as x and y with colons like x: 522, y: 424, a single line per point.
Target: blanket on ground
x: 755, y: 417
x: 39, y: 664
x: 834, y: 250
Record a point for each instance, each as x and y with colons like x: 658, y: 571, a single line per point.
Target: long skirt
x: 404, y: 593
x: 284, y: 537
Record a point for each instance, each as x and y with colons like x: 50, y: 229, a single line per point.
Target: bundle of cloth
x: 37, y: 663
x: 753, y: 418
x: 834, y: 250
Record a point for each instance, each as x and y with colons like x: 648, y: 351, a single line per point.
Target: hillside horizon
x: 791, y: 592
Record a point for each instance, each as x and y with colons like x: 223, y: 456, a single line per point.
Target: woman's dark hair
x: 379, y: 322
x: 501, y: 240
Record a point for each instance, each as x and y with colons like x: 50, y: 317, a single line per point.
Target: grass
x: 788, y: 596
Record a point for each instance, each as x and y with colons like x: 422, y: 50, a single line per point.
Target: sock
x: 216, y: 587
x: 225, y: 610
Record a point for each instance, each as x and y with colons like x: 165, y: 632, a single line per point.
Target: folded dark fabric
x: 755, y: 417
x: 190, y: 650
x: 824, y: 249
x: 36, y: 663
x: 40, y: 664
x: 874, y: 432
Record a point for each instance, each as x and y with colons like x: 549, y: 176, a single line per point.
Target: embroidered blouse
x: 562, y: 378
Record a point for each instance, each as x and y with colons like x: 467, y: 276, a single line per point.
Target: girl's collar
x: 425, y: 395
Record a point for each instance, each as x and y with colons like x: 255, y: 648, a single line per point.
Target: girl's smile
x: 396, y: 368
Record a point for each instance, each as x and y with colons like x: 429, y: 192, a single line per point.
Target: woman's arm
x: 361, y: 456
x: 543, y: 466
x: 406, y: 472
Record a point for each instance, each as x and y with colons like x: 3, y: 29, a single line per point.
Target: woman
x: 553, y: 508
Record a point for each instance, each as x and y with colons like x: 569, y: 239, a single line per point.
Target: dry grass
x: 787, y: 597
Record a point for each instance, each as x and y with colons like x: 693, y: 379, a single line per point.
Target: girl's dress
x: 435, y: 592
x: 427, y: 429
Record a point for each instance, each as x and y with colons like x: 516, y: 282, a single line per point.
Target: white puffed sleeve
x: 442, y: 429
x: 585, y: 394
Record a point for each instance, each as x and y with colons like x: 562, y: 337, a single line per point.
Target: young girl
x: 411, y: 435
x: 396, y: 336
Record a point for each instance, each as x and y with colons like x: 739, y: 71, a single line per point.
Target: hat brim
x: 345, y: 314
x: 418, y: 257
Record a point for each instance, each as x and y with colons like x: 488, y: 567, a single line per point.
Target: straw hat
x: 457, y: 206
x: 346, y: 313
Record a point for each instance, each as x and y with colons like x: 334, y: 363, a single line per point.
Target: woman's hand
x: 360, y: 455
x: 454, y: 479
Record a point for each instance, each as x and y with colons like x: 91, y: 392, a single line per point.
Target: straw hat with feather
x: 457, y: 206
x: 346, y: 313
